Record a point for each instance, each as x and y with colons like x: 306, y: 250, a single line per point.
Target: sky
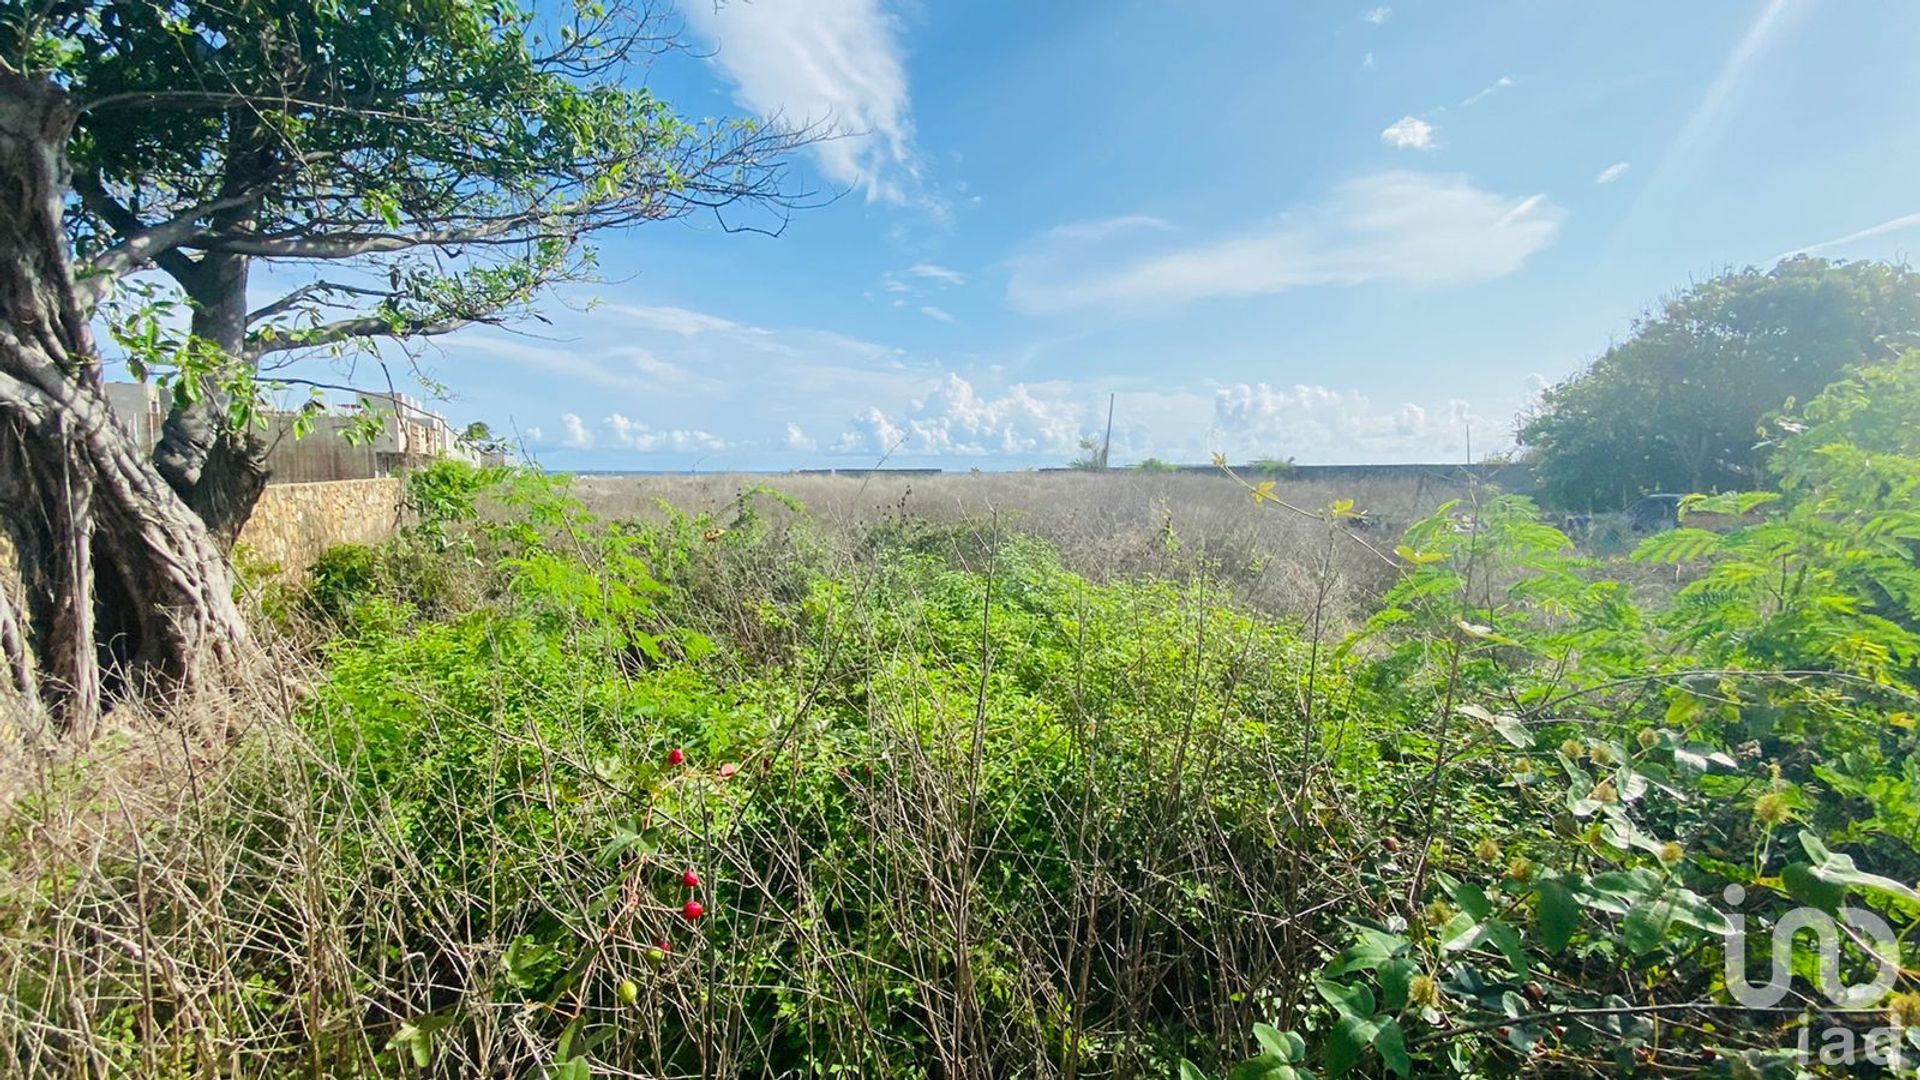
x: 1322, y: 231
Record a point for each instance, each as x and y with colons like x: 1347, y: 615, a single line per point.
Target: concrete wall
x: 294, y: 523
x: 406, y: 436
x: 1517, y: 479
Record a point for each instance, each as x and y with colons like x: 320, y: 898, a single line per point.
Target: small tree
x: 1677, y: 406
x: 450, y: 159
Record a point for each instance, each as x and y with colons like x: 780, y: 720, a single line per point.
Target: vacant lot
x: 1107, y: 526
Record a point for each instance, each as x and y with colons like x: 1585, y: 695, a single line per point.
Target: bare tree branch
x: 364, y: 326
x: 128, y: 226
x: 510, y: 230
x: 308, y: 292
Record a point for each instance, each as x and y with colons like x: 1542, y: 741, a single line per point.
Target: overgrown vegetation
x: 734, y: 795
x: 1682, y: 404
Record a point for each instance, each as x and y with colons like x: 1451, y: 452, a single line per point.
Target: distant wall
x: 294, y: 523
x: 1517, y: 479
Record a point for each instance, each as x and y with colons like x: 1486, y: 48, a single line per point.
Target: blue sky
x: 1333, y: 232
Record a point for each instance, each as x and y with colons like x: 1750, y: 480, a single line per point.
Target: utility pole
x: 1106, y: 445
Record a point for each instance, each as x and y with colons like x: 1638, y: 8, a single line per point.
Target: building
x: 338, y: 441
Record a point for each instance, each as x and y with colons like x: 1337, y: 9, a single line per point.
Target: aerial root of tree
x: 121, y: 585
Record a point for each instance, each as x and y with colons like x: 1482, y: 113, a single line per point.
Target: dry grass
x: 215, y: 894
x: 1105, y: 526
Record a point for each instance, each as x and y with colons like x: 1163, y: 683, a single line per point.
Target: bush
x: 950, y: 809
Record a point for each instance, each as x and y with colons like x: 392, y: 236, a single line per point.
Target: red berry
x: 728, y: 770
x: 693, y: 909
x: 663, y: 945
x: 676, y: 756
x: 692, y: 879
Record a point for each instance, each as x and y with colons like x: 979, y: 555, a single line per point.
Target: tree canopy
x: 1679, y: 405
x: 424, y: 164
x: 446, y: 159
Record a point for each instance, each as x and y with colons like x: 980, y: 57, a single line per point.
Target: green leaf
x: 1691, y: 909
x: 1392, y: 1045
x: 1559, y: 913
x: 1355, y: 1000
x: 1264, y: 1067
x: 1507, y: 939
x: 1646, y: 925
x: 1834, y: 870
x: 1395, y: 976
x: 1190, y: 1071
x: 1369, y: 950
x: 1284, y: 1045
x: 1616, y: 891
x: 1350, y: 1037
x: 416, y: 1037
x: 1469, y: 896
x: 1808, y: 887
x: 1701, y: 758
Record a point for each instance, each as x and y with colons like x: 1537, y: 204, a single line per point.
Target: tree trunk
x: 218, y: 470
x: 123, y: 586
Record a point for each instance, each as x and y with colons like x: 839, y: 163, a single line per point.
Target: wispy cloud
x: 1103, y: 228
x: 937, y: 273
x: 1412, y: 227
x: 675, y: 320
x: 1490, y: 89
x: 834, y: 63
x: 621, y: 367
x: 1714, y: 101
x: 1366, y: 62
x: 1378, y: 16
x: 1408, y: 133
x: 936, y: 314
x: 1891, y: 225
x: 1612, y: 172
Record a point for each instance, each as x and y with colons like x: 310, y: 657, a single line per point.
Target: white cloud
x: 954, y: 419
x: 1315, y: 423
x: 937, y: 273
x: 1612, y: 172
x: 798, y: 439
x: 1494, y: 87
x: 1408, y: 133
x: 576, y: 436
x: 1105, y: 227
x: 1412, y: 227
x: 711, y: 337
x: 921, y: 279
x: 1731, y: 73
x: 634, y: 435
x: 1366, y: 64
x: 617, y: 367
x: 869, y: 431
x: 834, y: 63
x: 674, y: 320
x: 1378, y: 16
x: 937, y: 314
x: 1892, y: 225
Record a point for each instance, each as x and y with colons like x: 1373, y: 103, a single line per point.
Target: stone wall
x: 294, y: 523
